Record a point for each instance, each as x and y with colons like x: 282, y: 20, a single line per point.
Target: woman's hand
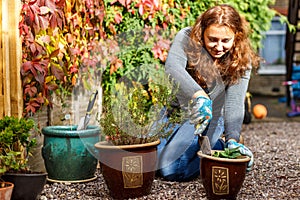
x: 200, y: 110
x: 232, y: 144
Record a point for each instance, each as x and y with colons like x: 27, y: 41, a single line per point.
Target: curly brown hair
x: 233, y: 65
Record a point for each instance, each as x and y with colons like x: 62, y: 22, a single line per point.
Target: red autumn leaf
x: 60, y: 3
x: 43, y: 21
x: 125, y: 3
x: 32, y: 105
x: 45, y: 39
x: 157, y: 51
x: 44, y: 10
x: 54, y: 53
x: 30, y: 89
x: 118, y: 18
x: 53, y: 21
x: 39, y: 66
x: 40, y: 78
x: 51, y: 86
x: 58, y: 72
x: 40, y: 99
x: 33, y: 48
x: 75, y: 51
x: 74, y: 80
x: 26, y: 66
x: 74, y: 69
x: 115, y: 65
x: 30, y: 108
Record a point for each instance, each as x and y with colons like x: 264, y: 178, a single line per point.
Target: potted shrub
x: 17, y: 142
x: 223, y: 173
x: 132, y: 123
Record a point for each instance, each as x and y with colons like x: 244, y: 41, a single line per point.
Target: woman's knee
x: 177, y: 176
x: 169, y: 176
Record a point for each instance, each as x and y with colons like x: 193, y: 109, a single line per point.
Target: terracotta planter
x: 6, y: 191
x: 222, y: 178
x: 27, y: 186
x: 128, y: 170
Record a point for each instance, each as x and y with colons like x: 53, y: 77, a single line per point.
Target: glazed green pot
x: 69, y: 154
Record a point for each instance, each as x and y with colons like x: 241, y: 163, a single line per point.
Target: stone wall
x: 269, y: 85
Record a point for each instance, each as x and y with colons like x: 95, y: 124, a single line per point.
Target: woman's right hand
x: 200, y: 110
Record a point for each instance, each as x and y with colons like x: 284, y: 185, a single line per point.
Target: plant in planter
x: 17, y: 143
x: 223, y: 173
x: 133, y: 122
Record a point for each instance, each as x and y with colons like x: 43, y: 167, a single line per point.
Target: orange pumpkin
x: 259, y: 111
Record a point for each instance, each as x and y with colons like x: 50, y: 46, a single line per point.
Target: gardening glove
x: 200, y: 111
x: 231, y: 144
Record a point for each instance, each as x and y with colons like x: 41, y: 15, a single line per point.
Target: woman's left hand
x: 232, y: 144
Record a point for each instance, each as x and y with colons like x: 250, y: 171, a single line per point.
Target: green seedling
x: 228, y: 153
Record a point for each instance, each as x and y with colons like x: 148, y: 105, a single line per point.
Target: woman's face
x: 218, y: 39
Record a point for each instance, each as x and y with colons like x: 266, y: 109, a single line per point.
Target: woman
x: 211, y: 62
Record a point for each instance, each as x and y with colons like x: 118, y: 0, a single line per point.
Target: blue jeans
x: 177, y: 154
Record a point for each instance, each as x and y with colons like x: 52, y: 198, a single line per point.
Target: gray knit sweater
x: 228, y: 101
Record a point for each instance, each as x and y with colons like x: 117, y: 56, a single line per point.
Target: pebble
x: 275, y: 173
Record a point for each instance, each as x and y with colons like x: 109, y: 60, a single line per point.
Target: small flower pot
x: 128, y: 170
x: 222, y: 178
x: 6, y: 191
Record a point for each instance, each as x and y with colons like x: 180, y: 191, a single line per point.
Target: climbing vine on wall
x: 65, y: 42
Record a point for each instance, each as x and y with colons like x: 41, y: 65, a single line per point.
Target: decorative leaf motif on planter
x: 132, y: 168
x: 220, y: 180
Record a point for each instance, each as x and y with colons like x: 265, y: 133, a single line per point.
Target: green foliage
x: 67, y: 42
x: 228, y: 153
x: 136, y: 107
x: 16, y: 143
x: 259, y: 16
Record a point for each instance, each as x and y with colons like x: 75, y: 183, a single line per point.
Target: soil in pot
x: 222, y: 178
x: 27, y: 186
x: 128, y: 170
x: 6, y: 190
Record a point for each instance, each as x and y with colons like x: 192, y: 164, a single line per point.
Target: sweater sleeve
x: 234, y: 107
x: 176, y: 67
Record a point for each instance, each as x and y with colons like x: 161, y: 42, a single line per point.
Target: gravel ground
x: 275, y: 174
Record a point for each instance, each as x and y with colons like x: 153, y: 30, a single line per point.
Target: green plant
x: 228, y: 153
x: 16, y: 143
x: 138, y: 104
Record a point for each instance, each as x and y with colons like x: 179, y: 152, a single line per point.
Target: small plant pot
x: 128, y: 170
x: 69, y: 154
x: 27, y: 186
x: 222, y: 178
x: 6, y: 191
